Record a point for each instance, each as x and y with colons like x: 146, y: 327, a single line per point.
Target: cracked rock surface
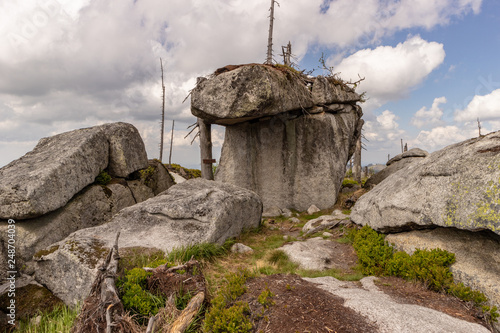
x: 457, y: 186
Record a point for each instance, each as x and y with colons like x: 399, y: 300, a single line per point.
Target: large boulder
x: 477, y: 255
x: 127, y: 152
x: 396, y: 163
x: 47, y: 177
x: 193, y: 212
x: 93, y: 206
x: 60, y: 166
x: 247, y: 92
x: 457, y: 186
x: 291, y: 161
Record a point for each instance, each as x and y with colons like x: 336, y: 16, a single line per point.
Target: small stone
x: 312, y: 209
x: 285, y: 237
x: 294, y: 220
x: 36, y: 321
x: 272, y: 212
x: 327, y: 234
x: 286, y: 212
x: 241, y: 248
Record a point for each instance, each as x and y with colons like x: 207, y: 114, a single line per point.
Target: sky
x: 430, y: 66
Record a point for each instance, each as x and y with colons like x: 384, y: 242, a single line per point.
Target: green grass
x: 139, y: 257
x: 203, y: 251
x: 60, y: 319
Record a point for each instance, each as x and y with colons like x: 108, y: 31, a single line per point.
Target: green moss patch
x: 46, y: 252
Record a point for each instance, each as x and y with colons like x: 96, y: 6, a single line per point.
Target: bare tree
x: 171, y: 144
x: 162, y: 112
x: 356, y: 172
x: 269, y: 58
x: 287, y: 54
x: 479, y: 126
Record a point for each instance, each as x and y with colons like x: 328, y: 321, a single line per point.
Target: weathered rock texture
x: 290, y: 162
x: 158, y: 179
x: 315, y: 253
x: 60, y: 166
x: 477, y: 255
x: 457, y: 186
x: 47, y: 177
x: 288, y: 136
x: 68, y: 268
x: 95, y: 205
x: 249, y: 92
x: 396, y: 163
x: 193, y: 212
x: 127, y: 152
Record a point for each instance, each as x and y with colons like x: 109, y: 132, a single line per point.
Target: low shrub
x: 432, y: 267
x: 349, y: 182
x: 136, y: 298
x: 265, y: 298
x: 223, y: 315
x: 191, y: 173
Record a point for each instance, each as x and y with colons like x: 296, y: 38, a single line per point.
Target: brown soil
x: 299, y: 306
x: 408, y: 292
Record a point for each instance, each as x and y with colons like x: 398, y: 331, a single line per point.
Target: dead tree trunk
x: 171, y: 144
x: 356, y: 172
x: 162, y: 112
x: 206, y: 149
x: 287, y: 54
x: 102, y: 310
x: 269, y: 58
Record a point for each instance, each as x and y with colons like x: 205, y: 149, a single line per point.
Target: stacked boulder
x: 288, y: 137
x: 51, y: 191
x: 66, y: 222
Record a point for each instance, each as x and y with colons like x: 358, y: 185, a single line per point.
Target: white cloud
x: 427, y: 14
x: 391, y: 72
x: 442, y: 136
x: 67, y: 64
x: 383, y: 129
x: 430, y: 116
x: 485, y: 107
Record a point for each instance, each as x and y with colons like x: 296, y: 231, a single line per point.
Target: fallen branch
x: 182, y: 322
x: 151, y: 325
x: 102, y: 310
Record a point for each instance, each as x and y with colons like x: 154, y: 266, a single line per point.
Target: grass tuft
x: 60, y: 319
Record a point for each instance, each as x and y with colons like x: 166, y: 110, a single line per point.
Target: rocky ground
x: 300, y: 306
